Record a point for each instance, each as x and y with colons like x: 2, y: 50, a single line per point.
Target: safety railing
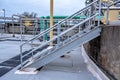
x: 72, y: 29
x: 106, y: 3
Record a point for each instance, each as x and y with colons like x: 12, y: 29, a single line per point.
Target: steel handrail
x: 62, y: 33
x: 45, y: 31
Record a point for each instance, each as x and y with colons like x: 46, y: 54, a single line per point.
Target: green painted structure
x: 44, y: 22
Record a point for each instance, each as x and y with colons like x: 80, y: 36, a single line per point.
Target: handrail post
x: 58, y: 32
x: 21, y: 31
x: 99, y: 12
x: 21, y: 58
x: 32, y: 48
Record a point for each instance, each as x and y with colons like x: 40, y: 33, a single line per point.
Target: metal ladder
x: 81, y: 31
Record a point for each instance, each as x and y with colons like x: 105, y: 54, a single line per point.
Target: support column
x: 51, y: 21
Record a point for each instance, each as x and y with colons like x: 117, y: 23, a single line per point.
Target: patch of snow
x: 26, y: 71
x: 50, y: 47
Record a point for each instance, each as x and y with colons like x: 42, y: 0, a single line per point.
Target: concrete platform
x: 74, y: 66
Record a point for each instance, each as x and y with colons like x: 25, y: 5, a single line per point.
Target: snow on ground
x: 17, y: 36
x: 9, y: 49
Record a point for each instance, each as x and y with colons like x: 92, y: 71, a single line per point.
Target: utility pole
x: 51, y: 21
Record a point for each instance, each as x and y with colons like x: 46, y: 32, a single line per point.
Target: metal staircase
x: 82, y: 31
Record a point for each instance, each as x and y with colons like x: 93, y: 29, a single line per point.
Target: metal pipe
x: 3, y: 26
x: 51, y: 21
x: 107, y: 14
x: 21, y: 57
x: 8, y: 18
x: 110, y: 8
x: 58, y: 32
x: 4, y: 19
x: 100, y: 2
x: 21, y: 29
x: 13, y: 30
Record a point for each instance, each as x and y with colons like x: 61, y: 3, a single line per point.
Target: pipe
x: 51, y: 21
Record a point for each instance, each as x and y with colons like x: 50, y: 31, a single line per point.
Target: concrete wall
x: 106, y: 49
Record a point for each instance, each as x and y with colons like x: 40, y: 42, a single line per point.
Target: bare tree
x: 29, y: 15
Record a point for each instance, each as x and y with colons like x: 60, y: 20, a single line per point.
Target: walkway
x: 71, y: 67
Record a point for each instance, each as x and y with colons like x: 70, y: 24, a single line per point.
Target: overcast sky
x: 41, y: 7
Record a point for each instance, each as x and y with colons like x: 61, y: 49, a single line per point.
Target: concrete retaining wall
x: 106, y: 49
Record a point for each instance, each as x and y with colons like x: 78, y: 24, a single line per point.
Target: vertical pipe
x: 51, y: 21
x: 43, y: 28
x: 4, y: 22
x: 21, y: 58
x: 32, y: 48
x: 99, y: 12
x: 90, y: 15
x: 107, y: 14
x: 58, y: 32
x: 13, y: 26
x: 21, y: 29
x: 34, y: 27
x: 46, y: 27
